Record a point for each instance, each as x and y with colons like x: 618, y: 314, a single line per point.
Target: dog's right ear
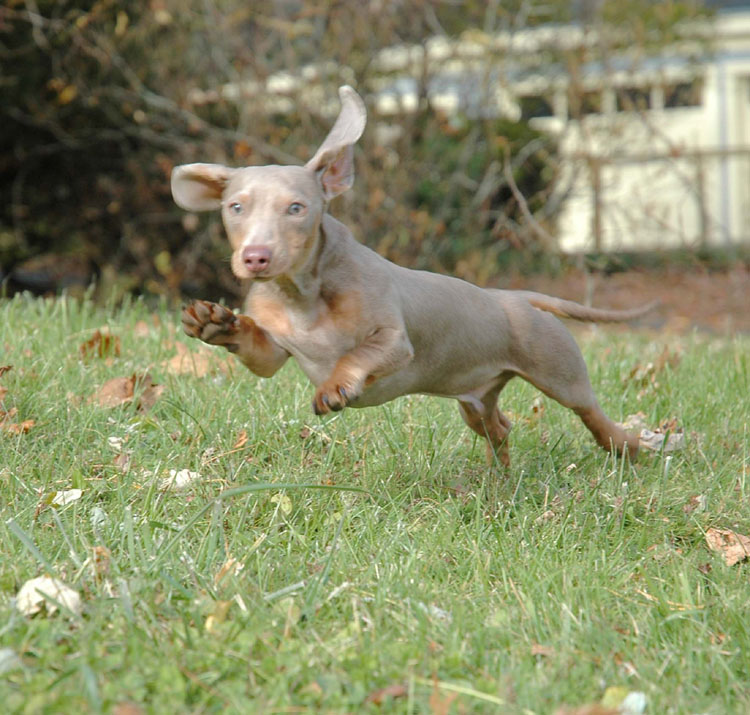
x: 333, y: 163
x: 199, y: 187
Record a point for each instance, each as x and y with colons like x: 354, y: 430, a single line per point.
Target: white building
x: 662, y: 158
x: 655, y: 148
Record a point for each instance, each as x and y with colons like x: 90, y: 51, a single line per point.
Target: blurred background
x: 599, y: 150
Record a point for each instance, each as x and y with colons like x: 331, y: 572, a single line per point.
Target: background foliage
x: 100, y: 100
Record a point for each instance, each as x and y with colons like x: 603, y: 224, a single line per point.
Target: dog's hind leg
x: 481, y: 414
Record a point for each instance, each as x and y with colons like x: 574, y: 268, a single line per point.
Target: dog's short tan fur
x: 363, y: 329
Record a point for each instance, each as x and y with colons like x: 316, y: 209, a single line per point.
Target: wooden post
x: 700, y: 188
x: 595, y: 169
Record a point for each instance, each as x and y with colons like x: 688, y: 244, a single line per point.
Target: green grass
x: 391, y: 557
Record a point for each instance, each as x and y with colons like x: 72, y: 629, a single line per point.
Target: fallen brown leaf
x: 16, y: 427
x: 199, y: 363
x: 100, y: 559
x: 542, y: 650
x: 114, y: 392
x: 4, y: 369
x: 441, y: 704
x: 127, y: 709
x: 122, y: 390
x: 396, y: 690
x: 122, y: 462
x: 241, y: 440
x: 151, y: 393
x: 732, y: 546
x: 141, y: 329
x: 636, y: 422
x: 645, y: 373
x: 101, y: 344
x: 697, y: 502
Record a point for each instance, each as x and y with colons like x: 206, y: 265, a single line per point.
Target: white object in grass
x: 49, y: 592
x: 67, y: 496
x: 179, y: 479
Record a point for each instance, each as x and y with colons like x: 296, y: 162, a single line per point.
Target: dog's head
x: 272, y: 213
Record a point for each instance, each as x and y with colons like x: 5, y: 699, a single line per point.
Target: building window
x: 684, y: 94
x: 535, y: 106
x: 583, y: 103
x: 633, y: 99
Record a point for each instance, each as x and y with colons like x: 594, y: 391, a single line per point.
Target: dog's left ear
x: 333, y: 163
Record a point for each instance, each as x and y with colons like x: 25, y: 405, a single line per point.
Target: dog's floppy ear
x: 198, y: 187
x: 334, y: 161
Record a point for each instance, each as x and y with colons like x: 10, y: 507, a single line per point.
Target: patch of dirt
x: 710, y: 300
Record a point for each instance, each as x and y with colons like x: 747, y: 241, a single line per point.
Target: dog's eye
x: 235, y: 207
x: 295, y: 209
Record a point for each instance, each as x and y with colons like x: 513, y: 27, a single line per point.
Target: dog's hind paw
x: 210, y: 322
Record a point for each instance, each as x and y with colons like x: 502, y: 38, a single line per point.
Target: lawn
x: 235, y: 553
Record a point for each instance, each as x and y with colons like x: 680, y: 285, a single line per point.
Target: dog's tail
x: 576, y: 311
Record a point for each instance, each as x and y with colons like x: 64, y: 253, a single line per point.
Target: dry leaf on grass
x: 65, y: 497
x: 542, y: 650
x: 7, y: 424
x: 15, y: 427
x: 732, y: 546
x: 46, y: 591
x: 141, y: 329
x: 122, y: 462
x: 537, y: 408
x: 635, y: 422
x: 127, y: 709
x: 198, y: 362
x: 440, y: 704
x: 697, y: 502
x: 100, y: 559
x: 230, y: 567
x: 661, y: 441
x: 644, y: 374
x: 122, y: 390
x: 241, y: 440
x: 617, y: 700
x: 667, y: 437
x: 101, y: 344
x: 179, y: 479
x: 396, y: 690
x: 115, y: 443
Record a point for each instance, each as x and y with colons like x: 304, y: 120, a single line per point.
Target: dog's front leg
x: 216, y: 325
x: 383, y: 352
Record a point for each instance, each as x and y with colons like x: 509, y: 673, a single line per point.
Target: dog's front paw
x: 212, y: 323
x: 332, y: 396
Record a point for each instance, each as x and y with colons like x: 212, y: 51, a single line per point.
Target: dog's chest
x: 316, y: 332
